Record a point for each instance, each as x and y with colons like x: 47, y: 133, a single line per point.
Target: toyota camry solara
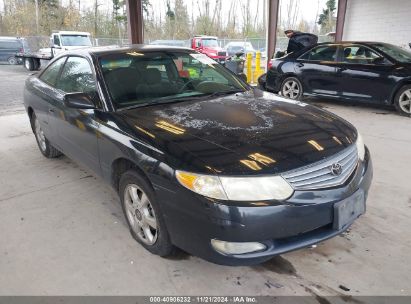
x: 201, y: 161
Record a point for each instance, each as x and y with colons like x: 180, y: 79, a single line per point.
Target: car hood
x: 241, y: 134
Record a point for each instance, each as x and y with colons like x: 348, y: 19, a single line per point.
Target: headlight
x: 360, y: 147
x: 236, y: 188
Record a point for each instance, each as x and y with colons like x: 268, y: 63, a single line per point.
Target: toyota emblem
x: 336, y: 169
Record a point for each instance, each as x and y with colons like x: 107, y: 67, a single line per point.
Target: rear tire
x: 37, y: 64
x: 44, y: 145
x: 143, y: 214
x: 29, y: 64
x: 402, y: 101
x: 262, y: 82
x: 291, y: 88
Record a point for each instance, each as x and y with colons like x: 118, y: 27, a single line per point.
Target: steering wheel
x: 185, y: 85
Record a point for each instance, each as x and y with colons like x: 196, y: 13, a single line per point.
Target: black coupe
x: 372, y: 72
x: 201, y: 160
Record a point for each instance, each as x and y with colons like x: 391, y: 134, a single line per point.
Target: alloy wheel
x: 41, y: 139
x: 291, y: 89
x: 405, y: 101
x: 140, y: 214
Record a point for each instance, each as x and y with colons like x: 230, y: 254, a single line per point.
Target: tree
x: 327, y: 19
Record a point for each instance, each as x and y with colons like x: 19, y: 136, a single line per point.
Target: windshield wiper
x: 221, y: 93
x: 168, y: 99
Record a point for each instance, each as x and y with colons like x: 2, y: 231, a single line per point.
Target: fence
x: 259, y: 44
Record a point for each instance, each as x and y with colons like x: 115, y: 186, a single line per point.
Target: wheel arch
x: 120, y: 166
x: 398, y: 87
x: 30, y: 113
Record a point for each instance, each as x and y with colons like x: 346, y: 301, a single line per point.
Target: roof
x: 205, y: 36
x: 71, y: 33
x: 114, y: 49
x: 9, y: 38
x: 353, y: 42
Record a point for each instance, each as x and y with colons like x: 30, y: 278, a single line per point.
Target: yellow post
x: 249, y: 67
x: 257, y: 69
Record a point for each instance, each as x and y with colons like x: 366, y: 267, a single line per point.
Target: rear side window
x: 10, y: 44
x: 321, y: 53
x: 359, y: 54
x: 77, y: 76
x: 50, y: 75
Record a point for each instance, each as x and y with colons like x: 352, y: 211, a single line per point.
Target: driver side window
x: 77, y: 76
x: 321, y: 53
x: 359, y: 54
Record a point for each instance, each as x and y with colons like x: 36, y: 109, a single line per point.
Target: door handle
x: 340, y: 69
x: 300, y: 65
x: 51, y: 110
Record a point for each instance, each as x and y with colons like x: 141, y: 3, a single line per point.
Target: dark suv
x: 9, y: 46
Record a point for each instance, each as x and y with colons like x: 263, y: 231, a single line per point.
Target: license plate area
x: 346, y: 211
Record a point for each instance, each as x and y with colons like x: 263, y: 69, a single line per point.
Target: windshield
x: 210, y: 42
x: 395, y: 52
x: 75, y: 40
x: 138, y: 79
x: 239, y: 45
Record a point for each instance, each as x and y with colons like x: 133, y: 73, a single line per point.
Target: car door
x: 77, y: 128
x: 364, y: 74
x: 316, y: 70
x: 44, y: 96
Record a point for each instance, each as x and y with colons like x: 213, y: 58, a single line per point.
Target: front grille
x: 222, y: 54
x: 319, y: 175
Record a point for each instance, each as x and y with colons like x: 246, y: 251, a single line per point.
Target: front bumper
x: 303, y: 220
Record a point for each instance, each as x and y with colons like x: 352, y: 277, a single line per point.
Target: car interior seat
x: 347, y: 53
x: 154, y: 85
x: 122, y: 83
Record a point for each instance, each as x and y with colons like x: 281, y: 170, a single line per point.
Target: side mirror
x: 79, y: 101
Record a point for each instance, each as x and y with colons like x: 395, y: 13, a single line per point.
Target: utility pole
x: 96, y: 5
x: 36, y: 2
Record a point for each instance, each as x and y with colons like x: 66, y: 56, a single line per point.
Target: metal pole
x: 342, y: 8
x: 135, y: 21
x: 273, y: 6
x: 36, y: 2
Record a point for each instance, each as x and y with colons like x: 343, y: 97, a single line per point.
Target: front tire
x: 292, y: 88
x: 143, y: 214
x: 44, y: 145
x: 402, y: 101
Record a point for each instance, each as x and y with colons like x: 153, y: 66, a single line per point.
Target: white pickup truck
x: 60, y: 41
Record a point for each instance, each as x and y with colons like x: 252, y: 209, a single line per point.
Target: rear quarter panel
x: 278, y: 72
